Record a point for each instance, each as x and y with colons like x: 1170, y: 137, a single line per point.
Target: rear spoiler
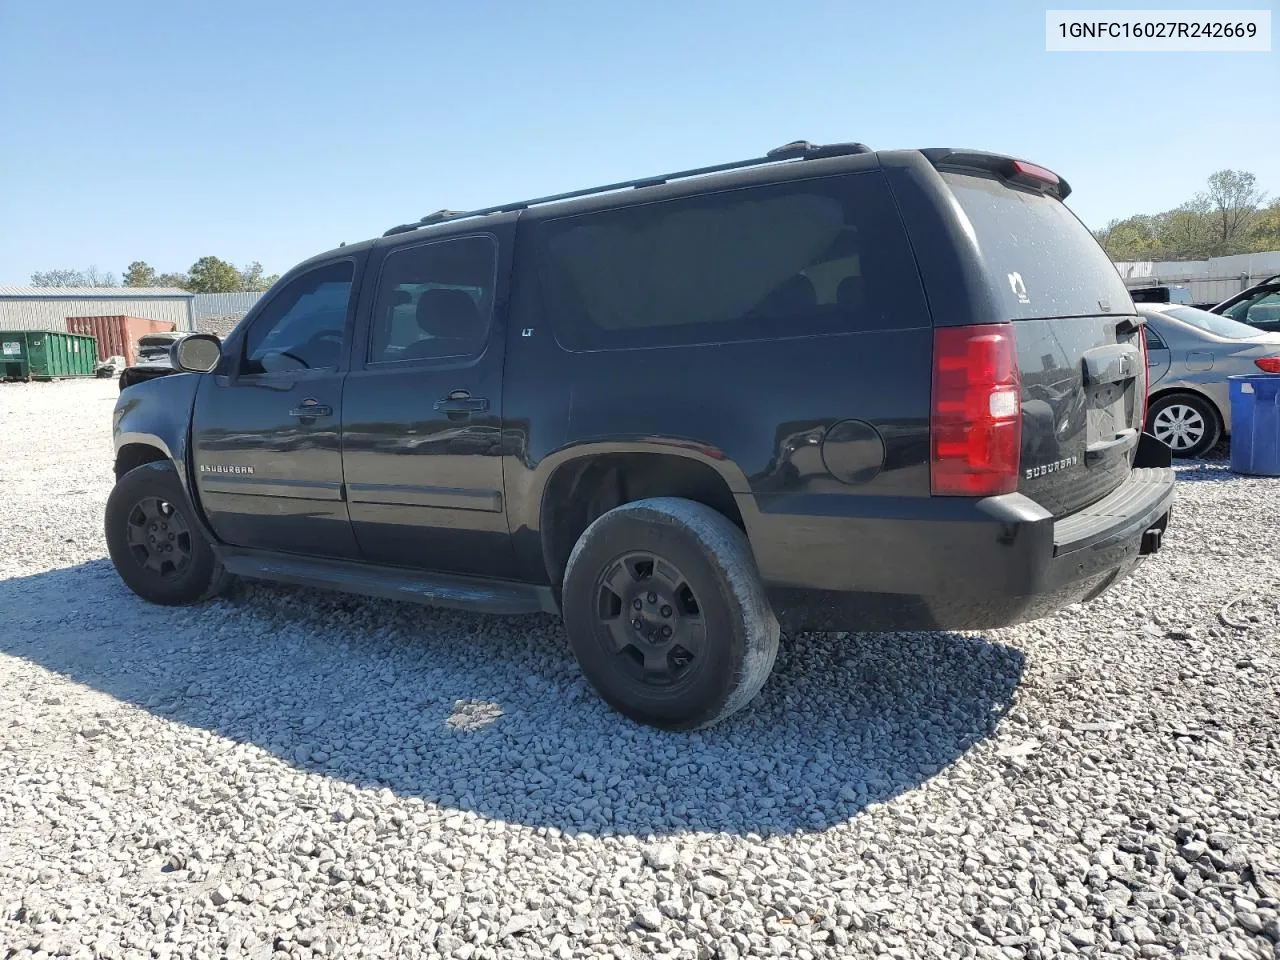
x: 1021, y: 172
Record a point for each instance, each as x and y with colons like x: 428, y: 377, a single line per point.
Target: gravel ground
x: 288, y: 773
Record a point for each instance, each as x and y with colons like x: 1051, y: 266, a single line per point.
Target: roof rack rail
x: 796, y: 150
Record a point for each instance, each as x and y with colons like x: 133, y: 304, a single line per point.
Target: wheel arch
x: 590, y: 484
x: 134, y: 453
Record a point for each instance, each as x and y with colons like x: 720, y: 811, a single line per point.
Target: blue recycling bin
x: 1255, y: 424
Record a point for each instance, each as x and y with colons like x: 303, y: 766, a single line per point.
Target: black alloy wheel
x: 649, y: 618
x: 159, y: 537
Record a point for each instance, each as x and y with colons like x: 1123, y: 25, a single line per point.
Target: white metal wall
x: 1208, y: 281
x: 224, y: 304
x: 52, y: 314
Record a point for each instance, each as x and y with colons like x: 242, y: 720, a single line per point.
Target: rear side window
x: 1040, y: 260
x: 434, y: 300
x: 804, y: 258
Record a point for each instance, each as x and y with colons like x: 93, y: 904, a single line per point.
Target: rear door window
x: 803, y: 258
x: 1040, y: 259
x: 434, y: 300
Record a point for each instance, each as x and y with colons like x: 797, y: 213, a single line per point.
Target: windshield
x: 1213, y: 323
x: 1040, y: 259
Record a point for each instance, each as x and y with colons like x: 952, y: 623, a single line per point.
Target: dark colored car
x: 1162, y: 294
x: 827, y: 389
x: 1258, y: 306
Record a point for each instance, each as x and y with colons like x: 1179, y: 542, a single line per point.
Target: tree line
x: 1230, y: 216
x: 206, y: 275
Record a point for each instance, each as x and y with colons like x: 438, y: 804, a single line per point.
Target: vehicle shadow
x: 491, y: 714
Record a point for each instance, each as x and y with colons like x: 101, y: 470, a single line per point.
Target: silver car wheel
x: 1179, y: 426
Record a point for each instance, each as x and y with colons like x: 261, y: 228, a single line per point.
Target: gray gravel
x: 292, y: 774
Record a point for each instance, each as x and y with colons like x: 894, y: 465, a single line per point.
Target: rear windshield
x: 1039, y: 258
x: 1219, y: 326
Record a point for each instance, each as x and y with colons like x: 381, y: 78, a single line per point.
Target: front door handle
x: 308, y: 410
x: 460, y: 401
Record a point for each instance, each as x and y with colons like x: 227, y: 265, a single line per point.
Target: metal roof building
x: 47, y: 308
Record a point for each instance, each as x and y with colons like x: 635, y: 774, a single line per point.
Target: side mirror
x: 198, y: 353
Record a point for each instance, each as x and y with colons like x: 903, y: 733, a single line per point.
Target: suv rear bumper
x: 946, y: 564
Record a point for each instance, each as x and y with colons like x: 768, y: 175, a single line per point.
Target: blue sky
x: 273, y: 130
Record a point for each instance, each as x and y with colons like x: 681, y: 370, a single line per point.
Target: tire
x: 707, y: 637
x: 154, y: 541
x: 1186, y: 423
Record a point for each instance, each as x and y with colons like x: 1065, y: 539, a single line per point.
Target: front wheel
x: 1185, y: 423
x: 666, y: 613
x: 156, y: 547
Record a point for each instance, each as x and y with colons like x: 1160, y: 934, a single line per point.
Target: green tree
x: 171, y: 280
x: 1265, y: 233
x: 252, y: 278
x: 1131, y: 239
x: 140, y: 274
x: 1222, y: 220
x: 211, y: 275
x: 1232, y: 202
x: 1185, y: 233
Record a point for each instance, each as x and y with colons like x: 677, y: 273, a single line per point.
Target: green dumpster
x: 46, y: 355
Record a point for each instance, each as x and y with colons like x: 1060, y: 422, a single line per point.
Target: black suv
x: 827, y: 388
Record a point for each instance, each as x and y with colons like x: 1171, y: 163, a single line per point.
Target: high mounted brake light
x: 1021, y: 172
x: 975, y: 420
x: 1032, y: 172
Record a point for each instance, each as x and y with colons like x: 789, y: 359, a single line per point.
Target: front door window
x: 302, y: 327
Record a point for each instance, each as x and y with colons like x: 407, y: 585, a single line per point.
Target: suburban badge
x: 224, y: 468
x: 1054, y: 467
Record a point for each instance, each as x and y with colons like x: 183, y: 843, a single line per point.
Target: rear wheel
x: 1185, y: 423
x: 666, y: 613
x: 154, y: 542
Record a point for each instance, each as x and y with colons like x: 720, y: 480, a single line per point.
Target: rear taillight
x: 975, y: 423
x: 1268, y: 364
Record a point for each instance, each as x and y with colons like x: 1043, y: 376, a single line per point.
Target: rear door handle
x: 312, y: 410
x: 460, y: 401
